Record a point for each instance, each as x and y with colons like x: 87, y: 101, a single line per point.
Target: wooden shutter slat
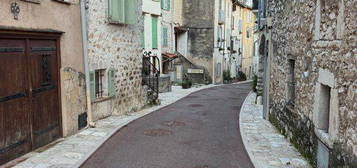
x: 130, y: 11
x: 92, y: 85
x: 154, y: 32
x: 168, y: 4
x: 111, y: 82
x: 116, y: 11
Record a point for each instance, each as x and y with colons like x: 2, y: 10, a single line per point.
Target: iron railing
x: 151, y: 74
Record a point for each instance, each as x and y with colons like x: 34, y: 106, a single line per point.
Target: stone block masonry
x: 320, y: 36
x: 117, y: 47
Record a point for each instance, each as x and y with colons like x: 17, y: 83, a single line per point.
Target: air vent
x: 82, y: 120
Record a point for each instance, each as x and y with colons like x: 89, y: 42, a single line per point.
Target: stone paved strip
x: 266, y: 147
x: 71, y: 151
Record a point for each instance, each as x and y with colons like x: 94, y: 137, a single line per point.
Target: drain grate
x: 202, y: 166
x: 157, y: 132
x: 173, y: 123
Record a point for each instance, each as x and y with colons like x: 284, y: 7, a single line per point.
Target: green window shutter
x: 163, y: 4
x: 165, y: 36
x: 130, y: 11
x: 142, y: 39
x: 111, y: 82
x: 154, y: 32
x: 116, y: 11
x: 168, y: 4
x: 92, y: 85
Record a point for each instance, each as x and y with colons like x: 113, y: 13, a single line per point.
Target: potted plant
x: 186, y: 82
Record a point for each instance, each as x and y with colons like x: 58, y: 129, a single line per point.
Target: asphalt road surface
x: 199, y: 131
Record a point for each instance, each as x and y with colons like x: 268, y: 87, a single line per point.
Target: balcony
x: 221, y: 17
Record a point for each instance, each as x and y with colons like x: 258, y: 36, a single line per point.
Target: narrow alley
x: 199, y: 131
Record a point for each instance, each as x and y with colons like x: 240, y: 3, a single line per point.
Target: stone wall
x: 199, y: 19
x: 321, y: 38
x: 118, y: 47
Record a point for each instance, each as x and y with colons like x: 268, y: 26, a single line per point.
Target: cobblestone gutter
x: 266, y: 147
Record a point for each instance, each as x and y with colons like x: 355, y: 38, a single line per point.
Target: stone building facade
x: 313, y: 78
x: 42, y: 41
x: 115, y: 56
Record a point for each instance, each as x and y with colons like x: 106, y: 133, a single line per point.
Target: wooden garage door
x: 29, y: 102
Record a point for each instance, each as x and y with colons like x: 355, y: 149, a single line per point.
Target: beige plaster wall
x: 49, y: 14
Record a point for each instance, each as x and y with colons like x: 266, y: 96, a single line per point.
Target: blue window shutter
x: 154, y: 32
x: 92, y: 85
x: 130, y: 11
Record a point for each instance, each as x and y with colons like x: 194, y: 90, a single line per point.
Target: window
x: 122, y: 11
x: 291, y: 81
x: 240, y: 26
x: 98, y: 88
x: 165, y: 4
x: 248, y: 33
x: 219, y: 69
x: 99, y: 76
x: 154, y: 30
x: 165, y: 41
x: 233, y: 22
x: 324, y: 114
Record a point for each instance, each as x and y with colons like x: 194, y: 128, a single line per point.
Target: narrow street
x: 199, y: 131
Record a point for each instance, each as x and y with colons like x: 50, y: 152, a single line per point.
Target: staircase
x: 151, y: 75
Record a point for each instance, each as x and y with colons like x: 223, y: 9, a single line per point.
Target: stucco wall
x: 61, y: 17
x: 321, y: 37
x: 248, y: 43
x: 116, y: 46
x: 199, y: 19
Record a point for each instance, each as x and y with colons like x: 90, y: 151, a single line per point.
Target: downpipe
x: 90, y: 121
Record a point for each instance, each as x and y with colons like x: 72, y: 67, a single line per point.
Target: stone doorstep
x: 268, y: 154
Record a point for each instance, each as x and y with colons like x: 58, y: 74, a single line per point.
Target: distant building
x: 243, y: 39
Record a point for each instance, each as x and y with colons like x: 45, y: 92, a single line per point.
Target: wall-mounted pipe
x: 86, y: 63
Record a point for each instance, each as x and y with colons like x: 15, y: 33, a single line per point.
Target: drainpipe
x: 86, y: 63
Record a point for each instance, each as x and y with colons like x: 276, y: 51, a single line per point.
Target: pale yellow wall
x: 248, y: 43
x: 178, y: 11
x: 61, y: 17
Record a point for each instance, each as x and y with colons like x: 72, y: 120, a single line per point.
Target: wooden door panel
x: 15, y: 138
x: 45, y: 101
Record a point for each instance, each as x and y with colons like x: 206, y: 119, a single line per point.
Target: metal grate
x: 82, y: 120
